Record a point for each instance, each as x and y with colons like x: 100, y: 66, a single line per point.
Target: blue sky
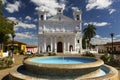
x: 104, y: 14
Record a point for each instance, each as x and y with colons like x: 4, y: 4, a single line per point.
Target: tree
x: 6, y: 28
x: 89, y: 32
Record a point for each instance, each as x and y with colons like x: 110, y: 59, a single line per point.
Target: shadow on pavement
x: 5, y: 77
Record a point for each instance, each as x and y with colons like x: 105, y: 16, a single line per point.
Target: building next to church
x: 108, y: 47
x: 60, y: 34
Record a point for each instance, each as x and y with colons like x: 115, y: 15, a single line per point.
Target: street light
x: 12, y: 47
x: 112, y: 35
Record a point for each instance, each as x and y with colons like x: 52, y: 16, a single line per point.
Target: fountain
x: 59, y: 67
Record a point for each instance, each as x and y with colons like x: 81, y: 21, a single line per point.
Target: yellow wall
x: 1, y: 53
x: 23, y: 47
x: 35, y: 50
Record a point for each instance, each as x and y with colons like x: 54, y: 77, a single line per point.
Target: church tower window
x: 59, y: 10
x: 77, y: 41
x: 77, y: 16
x: 42, y: 17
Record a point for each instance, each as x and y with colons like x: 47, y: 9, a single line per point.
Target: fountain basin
x: 20, y: 73
x: 88, y: 69
x: 79, y: 66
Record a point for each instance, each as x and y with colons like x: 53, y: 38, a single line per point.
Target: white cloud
x: 98, y: 40
x: 21, y: 36
x: 48, y: 5
x: 74, y: 8
x: 28, y: 18
x: 111, y: 11
x: 11, y: 8
x: 12, y: 19
x: 98, y: 4
x: 4, y: 1
x: 24, y: 35
x: 24, y: 25
x: 35, y: 20
x: 97, y: 24
x: 21, y: 24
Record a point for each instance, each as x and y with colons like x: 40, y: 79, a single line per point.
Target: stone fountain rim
x: 112, y: 73
x: 96, y: 63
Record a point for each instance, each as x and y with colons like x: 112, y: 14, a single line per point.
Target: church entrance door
x: 59, y: 47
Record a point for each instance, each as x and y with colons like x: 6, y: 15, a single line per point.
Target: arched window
x: 42, y: 17
x: 48, y: 48
x: 71, y: 48
x: 77, y: 16
x: 59, y: 10
x: 78, y: 41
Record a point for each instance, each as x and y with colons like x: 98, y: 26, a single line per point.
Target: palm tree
x: 89, y: 32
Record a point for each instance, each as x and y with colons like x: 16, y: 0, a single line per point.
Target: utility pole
x: 112, y: 35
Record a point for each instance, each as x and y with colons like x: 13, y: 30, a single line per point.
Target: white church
x: 60, y: 34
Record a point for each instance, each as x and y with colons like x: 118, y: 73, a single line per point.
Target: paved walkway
x: 4, y: 73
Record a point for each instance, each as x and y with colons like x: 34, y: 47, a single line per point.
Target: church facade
x: 60, y: 34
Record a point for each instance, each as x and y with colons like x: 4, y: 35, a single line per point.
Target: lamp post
x: 112, y: 35
x: 12, y: 47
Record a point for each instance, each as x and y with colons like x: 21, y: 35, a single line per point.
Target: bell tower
x: 42, y: 15
x: 59, y: 10
x: 77, y: 17
x: 77, y: 14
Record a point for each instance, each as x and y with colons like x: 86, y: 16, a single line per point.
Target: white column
x: 40, y: 48
x: 55, y: 45
x: 43, y: 50
x: 75, y: 43
x: 51, y: 44
x: 44, y: 44
x: 64, y: 44
x: 38, y: 45
x: 68, y: 44
x: 80, y: 45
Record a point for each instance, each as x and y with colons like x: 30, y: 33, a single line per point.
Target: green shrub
x: 88, y: 54
x: 51, y: 54
x: 32, y: 55
x: 16, y: 51
x: 21, y: 52
x: 6, y: 62
x: 105, y: 57
x: 39, y: 55
x: 9, y: 62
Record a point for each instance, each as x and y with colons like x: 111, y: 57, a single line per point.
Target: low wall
x: 59, y: 72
